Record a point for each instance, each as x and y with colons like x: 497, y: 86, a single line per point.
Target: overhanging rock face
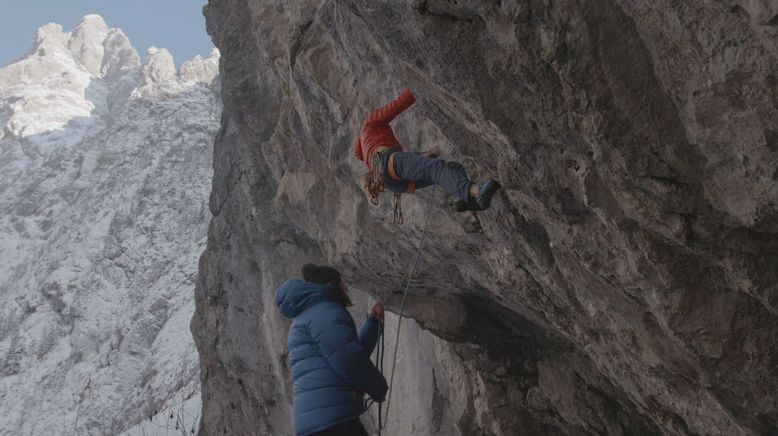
x: 623, y: 282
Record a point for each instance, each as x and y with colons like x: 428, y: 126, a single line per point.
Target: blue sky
x: 177, y: 25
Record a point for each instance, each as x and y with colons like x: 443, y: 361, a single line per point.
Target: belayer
x: 389, y: 166
x: 330, y: 360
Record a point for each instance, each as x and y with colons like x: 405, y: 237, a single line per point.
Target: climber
x: 399, y: 171
x: 330, y: 361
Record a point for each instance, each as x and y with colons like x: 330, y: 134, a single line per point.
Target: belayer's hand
x: 378, y: 311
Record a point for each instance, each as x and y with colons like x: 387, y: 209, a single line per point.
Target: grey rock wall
x: 624, y: 282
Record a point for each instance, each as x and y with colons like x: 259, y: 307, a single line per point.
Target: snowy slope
x: 105, y: 169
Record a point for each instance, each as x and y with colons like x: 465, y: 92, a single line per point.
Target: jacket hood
x: 294, y: 296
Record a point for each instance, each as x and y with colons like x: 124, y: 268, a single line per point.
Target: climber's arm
x: 386, y: 114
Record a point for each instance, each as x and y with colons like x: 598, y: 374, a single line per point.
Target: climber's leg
x: 451, y: 176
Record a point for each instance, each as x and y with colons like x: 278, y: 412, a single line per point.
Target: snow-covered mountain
x: 105, y: 169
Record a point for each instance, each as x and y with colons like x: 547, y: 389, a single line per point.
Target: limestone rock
x: 86, y: 42
x: 624, y: 282
x: 51, y: 33
x: 199, y: 69
x: 119, y: 54
x: 159, y: 66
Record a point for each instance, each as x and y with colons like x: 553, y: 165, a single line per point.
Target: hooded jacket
x: 377, y: 132
x: 330, y: 361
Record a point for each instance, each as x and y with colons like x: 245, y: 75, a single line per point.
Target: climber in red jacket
x: 399, y: 171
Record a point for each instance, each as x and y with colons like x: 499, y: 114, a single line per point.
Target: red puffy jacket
x: 376, y: 130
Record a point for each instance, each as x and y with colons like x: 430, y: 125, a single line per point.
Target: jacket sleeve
x: 336, y: 335
x: 386, y: 114
x: 368, y: 333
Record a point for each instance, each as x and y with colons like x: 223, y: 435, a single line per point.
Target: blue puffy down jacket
x: 330, y: 362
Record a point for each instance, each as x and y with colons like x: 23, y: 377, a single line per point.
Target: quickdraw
x: 398, y: 209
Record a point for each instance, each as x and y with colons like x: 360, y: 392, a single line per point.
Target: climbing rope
x: 379, y: 362
x: 400, y: 320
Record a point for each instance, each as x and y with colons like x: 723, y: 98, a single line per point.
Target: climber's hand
x: 432, y: 152
x: 378, y: 311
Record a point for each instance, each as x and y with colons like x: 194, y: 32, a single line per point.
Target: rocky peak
x: 202, y: 70
x: 86, y: 43
x: 99, y: 50
x: 119, y: 54
x: 158, y: 66
x: 86, y: 72
x: 50, y: 34
x: 158, y: 72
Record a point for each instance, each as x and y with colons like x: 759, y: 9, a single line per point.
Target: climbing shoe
x: 464, y: 206
x: 488, y: 188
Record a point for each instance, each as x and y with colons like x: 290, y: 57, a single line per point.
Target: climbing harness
x: 382, y: 424
x: 373, y: 182
x: 374, y: 179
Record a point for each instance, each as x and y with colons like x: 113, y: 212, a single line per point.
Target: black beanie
x: 321, y: 274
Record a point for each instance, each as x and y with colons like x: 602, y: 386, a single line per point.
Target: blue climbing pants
x: 425, y: 171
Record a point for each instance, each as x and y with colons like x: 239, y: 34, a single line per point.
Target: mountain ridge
x: 105, y: 163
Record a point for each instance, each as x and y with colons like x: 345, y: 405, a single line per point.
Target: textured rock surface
x: 623, y: 283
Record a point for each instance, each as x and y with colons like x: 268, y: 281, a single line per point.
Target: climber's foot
x: 464, y: 206
x: 488, y: 188
x: 480, y: 202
